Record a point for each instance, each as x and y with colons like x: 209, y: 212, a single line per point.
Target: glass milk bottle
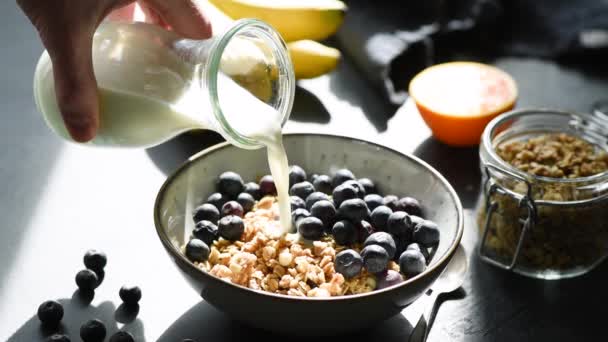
x: 154, y: 85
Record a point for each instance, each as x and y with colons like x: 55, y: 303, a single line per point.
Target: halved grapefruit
x: 458, y: 99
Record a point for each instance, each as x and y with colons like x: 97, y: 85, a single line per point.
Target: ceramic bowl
x: 395, y: 173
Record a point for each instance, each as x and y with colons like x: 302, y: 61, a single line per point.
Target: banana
x: 310, y: 59
x: 293, y: 19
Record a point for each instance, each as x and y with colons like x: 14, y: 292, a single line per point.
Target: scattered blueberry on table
x: 122, y: 336
x: 87, y: 280
x: 93, y: 331
x: 50, y: 313
x: 95, y: 260
x: 130, y: 295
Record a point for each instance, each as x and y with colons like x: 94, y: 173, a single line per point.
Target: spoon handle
x: 421, y: 331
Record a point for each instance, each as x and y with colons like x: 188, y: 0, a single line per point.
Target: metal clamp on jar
x: 544, y: 207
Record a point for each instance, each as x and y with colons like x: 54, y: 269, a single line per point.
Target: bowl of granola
x: 373, y: 229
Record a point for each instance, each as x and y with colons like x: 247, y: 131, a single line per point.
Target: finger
x: 75, y: 85
x: 183, y: 17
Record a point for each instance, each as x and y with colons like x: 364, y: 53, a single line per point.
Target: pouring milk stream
x: 154, y: 85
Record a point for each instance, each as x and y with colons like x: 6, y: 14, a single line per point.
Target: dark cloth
x: 391, y: 41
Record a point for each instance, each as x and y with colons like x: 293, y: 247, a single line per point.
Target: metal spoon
x: 450, y: 280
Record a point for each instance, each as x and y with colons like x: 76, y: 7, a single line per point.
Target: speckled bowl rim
x: 180, y: 258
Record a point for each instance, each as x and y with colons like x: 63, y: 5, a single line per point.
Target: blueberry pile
x: 51, y: 312
x: 222, y: 214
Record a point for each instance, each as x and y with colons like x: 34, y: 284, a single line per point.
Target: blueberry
x: 392, y: 202
x: 310, y: 228
x: 417, y: 247
x: 344, y: 192
x: 296, y: 203
x: 400, y: 224
x: 344, y: 232
x: 426, y: 233
x: 267, y: 187
x: 207, y: 212
x: 373, y: 201
x: 246, y: 201
x: 384, y: 240
x: 93, y: 331
x: 411, y: 206
x: 230, y: 184
x: 122, y: 336
x: 217, y: 200
x: 87, y: 280
x: 197, y: 250
x: 130, y: 295
x: 412, y: 263
x: 253, y: 189
x: 364, y: 230
x: 95, y: 260
x: 231, y: 227
x: 355, y: 184
x: 348, y: 263
x: 313, y: 177
x: 50, y: 313
x: 323, y: 184
x: 375, y: 258
x: 342, y: 176
x: 302, y: 189
x: 58, y: 338
x: 232, y: 208
x: 368, y: 185
x: 380, y: 217
x: 354, y: 210
x: 206, y: 231
x: 296, y: 175
x: 298, y: 214
x: 314, y: 198
x: 325, y: 211
x: 387, y: 279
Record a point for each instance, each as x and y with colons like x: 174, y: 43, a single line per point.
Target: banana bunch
x: 300, y: 22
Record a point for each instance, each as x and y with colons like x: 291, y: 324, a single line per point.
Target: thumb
x: 75, y: 84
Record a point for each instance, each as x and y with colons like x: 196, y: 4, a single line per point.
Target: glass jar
x: 538, y: 226
x: 154, y: 84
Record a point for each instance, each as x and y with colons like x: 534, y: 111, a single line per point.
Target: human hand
x: 66, y: 29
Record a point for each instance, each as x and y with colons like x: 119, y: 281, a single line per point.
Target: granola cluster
x: 265, y: 259
x: 556, y: 155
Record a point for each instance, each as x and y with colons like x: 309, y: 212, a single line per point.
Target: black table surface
x: 59, y: 199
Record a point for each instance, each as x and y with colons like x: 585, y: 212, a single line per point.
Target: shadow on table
x: 308, y: 108
x: 173, y: 153
x: 459, y: 165
x: 78, y: 310
x: 347, y: 85
x: 534, y: 310
x: 204, y: 323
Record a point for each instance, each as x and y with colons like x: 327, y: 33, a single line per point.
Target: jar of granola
x: 544, y: 205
